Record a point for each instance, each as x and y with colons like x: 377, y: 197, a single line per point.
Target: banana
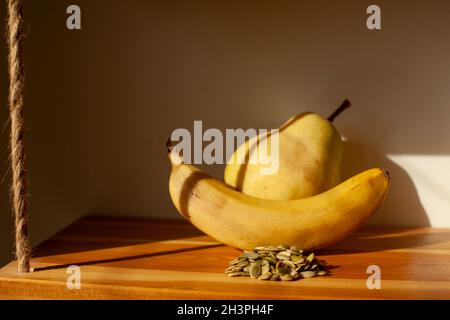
x: 245, y: 222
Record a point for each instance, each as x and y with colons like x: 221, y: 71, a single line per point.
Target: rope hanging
x: 15, y: 100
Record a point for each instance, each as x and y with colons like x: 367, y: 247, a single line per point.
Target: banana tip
x: 169, y: 145
x: 174, y: 157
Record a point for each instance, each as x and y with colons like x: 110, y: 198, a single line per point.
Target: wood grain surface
x: 126, y: 258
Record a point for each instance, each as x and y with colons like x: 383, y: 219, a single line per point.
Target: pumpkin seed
x: 265, y: 276
x: 308, y: 274
x: 289, y: 264
x: 235, y: 274
x: 282, y: 256
x: 267, y: 248
x: 286, y: 277
x: 233, y: 270
x: 310, y: 257
x: 283, y: 270
x: 255, y: 270
x: 297, y: 259
x: 293, y: 248
x: 275, y: 277
x: 265, y: 269
x: 270, y: 260
x: 251, y: 255
x: 286, y: 253
x: 238, y: 259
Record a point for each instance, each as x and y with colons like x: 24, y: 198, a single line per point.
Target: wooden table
x: 123, y: 258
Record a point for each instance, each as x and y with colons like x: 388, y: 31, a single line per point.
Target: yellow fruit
x: 310, y: 157
x: 244, y: 222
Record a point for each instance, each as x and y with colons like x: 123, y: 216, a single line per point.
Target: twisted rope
x: 15, y: 100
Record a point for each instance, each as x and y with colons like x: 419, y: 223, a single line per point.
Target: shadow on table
x: 125, y: 258
x: 101, y: 232
x: 371, y: 239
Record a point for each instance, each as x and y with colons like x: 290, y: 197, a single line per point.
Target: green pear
x: 309, y: 155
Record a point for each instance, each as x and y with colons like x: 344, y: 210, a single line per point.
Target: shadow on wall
x: 402, y: 205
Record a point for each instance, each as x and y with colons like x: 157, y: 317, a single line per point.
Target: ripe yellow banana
x: 245, y: 222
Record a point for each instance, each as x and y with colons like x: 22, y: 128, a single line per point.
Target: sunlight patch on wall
x: 431, y: 177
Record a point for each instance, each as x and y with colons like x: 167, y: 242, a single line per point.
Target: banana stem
x: 169, y: 145
x: 345, y: 105
x: 174, y: 157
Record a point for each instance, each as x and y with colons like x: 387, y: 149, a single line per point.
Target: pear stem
x: 345, y: 105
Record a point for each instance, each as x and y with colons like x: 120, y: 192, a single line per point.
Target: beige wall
x: 102, y: 101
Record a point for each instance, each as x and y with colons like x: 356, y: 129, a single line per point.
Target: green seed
x: 275, y: 277
x: 286, y: 253
x: 293, y: 248
x: 235, y: 274
x: 286, y: 277
x: 297, y: 259
x: 282, y: 257
x: 265, y: 276
x: 251, y: 255
x: 308, y: 274
x: 255, y: 270
x: 289, y: 264
x: 270, y: 260
x: 283, y: 270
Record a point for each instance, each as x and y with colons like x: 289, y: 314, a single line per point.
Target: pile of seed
x: 276, y: 263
